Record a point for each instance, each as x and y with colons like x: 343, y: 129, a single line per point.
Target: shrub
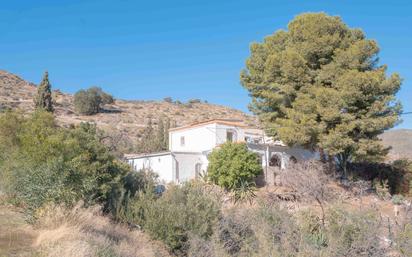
x: 382, y: 189
x: 245, y: 192
x: 85, y: 232
x: 312, y: 229
x: 235, y: 236
x: 106, y: 98
x: 404, y: 240
x: 398, y: 199
x: 46, y: 163
x: 269, y: 230
x: 178, y: 213
x: 86, y: 102
x: 263, y: 231
x: 168, y: 99
x: 309, y: 180
x: 232, y: 164
x: 276, y: 230
x: 397, y: 175
x: 354, y: 233
x: 402, y: 185
x: 122, y: 192
x: 194, y: 101
x: 90, y: 101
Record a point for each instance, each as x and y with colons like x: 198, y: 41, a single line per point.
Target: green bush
x: 122, y: 192
x: 232, y: 164
x: 245, y: 192
x: 45, y: 163
x: 180, y: 212
x: 90, y: 101
x: 398, y: 199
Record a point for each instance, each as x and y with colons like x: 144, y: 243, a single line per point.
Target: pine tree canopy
x: 43, y: 99
x: 318, y: 84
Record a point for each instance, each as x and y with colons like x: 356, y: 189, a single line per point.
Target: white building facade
x: 189, y: 147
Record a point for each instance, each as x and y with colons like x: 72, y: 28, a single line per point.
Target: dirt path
x: 16, y: 236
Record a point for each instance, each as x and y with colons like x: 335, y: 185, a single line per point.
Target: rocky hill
x: 126, y: 117
x: 401, y: 142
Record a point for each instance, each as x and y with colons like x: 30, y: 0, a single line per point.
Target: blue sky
x: 183, y: 49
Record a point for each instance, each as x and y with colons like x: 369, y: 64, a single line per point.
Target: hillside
x: 128, y: 118
x: 125, y: 117
x: 401, y: 142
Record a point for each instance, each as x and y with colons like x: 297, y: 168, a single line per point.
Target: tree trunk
x: 322, y: 155
x: 345, y: 168
x: 343, y: 164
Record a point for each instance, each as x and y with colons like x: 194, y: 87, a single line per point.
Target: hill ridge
x: 128, y: 117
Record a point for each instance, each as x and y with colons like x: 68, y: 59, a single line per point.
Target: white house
x: 190, y: 145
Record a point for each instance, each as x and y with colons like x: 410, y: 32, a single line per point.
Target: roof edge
x: 230, y: 122
x: 135, y: 156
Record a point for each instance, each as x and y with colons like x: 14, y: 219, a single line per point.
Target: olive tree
x: 90, y: 101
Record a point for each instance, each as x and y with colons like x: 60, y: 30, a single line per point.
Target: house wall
x: 163, y: 165
x: 187, y: 162
x: 207, y: 137
x: 197, y: 139
x: 284, y: 153
x: 301, y: 153
x: 221, y: 133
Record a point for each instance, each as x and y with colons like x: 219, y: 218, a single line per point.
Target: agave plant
x: 244, y: 192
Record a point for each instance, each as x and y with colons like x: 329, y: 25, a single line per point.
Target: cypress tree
x: 43, y: 99
x: 166, y: 136
x: 160, y: 137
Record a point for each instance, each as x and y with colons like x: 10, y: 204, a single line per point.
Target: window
x: 293, y: 159
x: 182, y: 141
x: 229, y: 136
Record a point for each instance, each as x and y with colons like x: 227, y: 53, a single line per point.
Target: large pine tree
x: 43, y: 99
x: 319, y: 84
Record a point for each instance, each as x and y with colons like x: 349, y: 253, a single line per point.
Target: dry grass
x: 66, y: 233
x: 84, y: 232
x: 16, y: 236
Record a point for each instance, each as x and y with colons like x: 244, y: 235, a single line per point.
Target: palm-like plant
x: 244, y: 192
